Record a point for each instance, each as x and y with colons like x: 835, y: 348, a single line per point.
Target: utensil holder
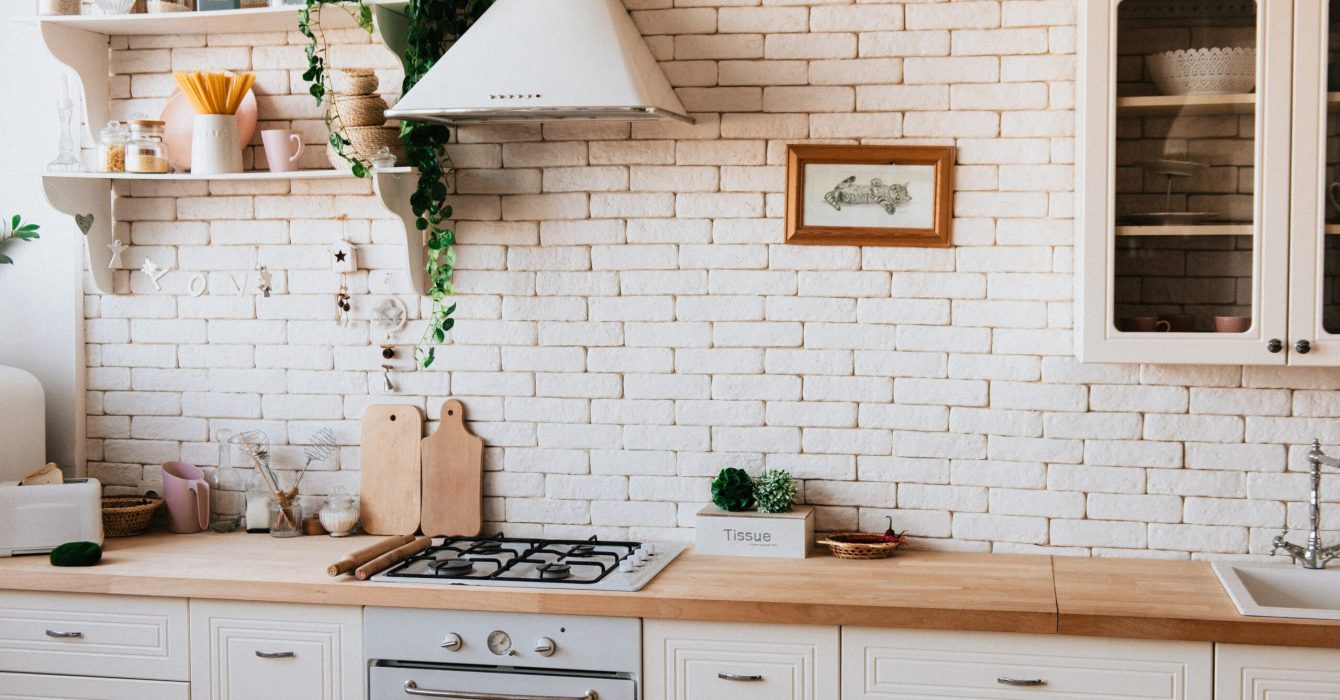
x: 215, y: 145
x: 285, y: 518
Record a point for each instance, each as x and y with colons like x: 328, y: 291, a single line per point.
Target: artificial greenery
x: 433, y: 25
x: 733, y: 490
x: 775, y: 491
x: 17, y: 230
x: 318, y: 75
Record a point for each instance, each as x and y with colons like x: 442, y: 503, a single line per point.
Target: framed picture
x: 869, y: 195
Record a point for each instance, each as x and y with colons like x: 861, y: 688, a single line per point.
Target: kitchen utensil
x: 1209, y: 71
x: 127, y: 516
x: 363, y: 555
x: 1143, y: 324
x: 453, y: 460
x: 179, y: 117
x: 389, y: 481
x: 187, y: 496
x: 323, y: 443
x: 216, y: 147
x: 285, y: 518
x: 282, y: 149
x: 392, y: 557
x: 1232, y: 324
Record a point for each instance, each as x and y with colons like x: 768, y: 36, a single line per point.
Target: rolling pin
x: 394, y: 556
x: 357, y: 558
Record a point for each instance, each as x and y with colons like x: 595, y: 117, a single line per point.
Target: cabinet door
x: 1314, y: 294
x: 1184, y: 182
x: 35, y: 686
x: 733, y: 661
x: 243, y: 651
x: 883, y: 663
x: 1275, y: 673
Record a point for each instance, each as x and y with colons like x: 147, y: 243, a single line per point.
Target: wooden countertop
x: 924, y: 590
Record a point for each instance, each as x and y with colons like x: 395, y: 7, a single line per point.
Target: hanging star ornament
x: 117, y: 247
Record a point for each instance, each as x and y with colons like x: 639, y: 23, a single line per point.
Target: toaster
x: 37, y: 519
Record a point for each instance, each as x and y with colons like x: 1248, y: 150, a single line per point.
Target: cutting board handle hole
x: 451, y: 413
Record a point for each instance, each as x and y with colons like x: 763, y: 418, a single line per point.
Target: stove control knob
x: 545, y: 646
x: 452, y: 642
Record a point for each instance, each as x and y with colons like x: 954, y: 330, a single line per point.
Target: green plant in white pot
x: 775, y: 491
x: 15, y: 229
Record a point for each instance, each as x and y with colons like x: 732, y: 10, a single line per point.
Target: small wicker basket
x: 354, y: 81
x: 360, y: 110
x: 846, y: 545
x: 126, y: 516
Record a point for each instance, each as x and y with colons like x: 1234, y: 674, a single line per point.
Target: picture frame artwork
x: 870, y: 195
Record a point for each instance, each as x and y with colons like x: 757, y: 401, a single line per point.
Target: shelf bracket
x: 394, y: 189
x: 89, y: 202
x: 393, y: 27
x: 86, y: 53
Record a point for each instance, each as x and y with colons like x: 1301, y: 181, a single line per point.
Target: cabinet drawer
x: 879, y: 663
x: 728, y: 661
x: 243, y: 651
x: 32, y: 686
x: 94, y: 635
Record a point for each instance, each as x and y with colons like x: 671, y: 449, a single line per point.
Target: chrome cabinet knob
x: 545, y: 646
x: 1275, y: 345
x: 452, y: 642
x: 1303, y: 347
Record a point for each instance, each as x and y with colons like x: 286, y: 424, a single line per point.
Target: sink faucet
x: 1315, y: 555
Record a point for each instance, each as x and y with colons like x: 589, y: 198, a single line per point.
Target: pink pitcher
x: 187, y: 496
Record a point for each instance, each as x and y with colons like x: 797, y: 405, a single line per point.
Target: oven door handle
x: 412, y: 688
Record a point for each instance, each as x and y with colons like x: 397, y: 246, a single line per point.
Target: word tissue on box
x: 754, y: 534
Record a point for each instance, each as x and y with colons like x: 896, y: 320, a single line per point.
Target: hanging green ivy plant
x: 433, y: 25
x: 317, y: 74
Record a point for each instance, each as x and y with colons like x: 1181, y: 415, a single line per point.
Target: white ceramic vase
x: 215, y: 145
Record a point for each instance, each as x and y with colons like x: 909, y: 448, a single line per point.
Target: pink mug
x: 282, y: 149
x: 187, y: 495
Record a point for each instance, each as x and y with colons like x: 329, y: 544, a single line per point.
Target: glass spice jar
x: 112, y: 147
x: 145, y: 153
x: 340, y: 514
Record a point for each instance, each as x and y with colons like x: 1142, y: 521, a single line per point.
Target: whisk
x: 323, y: 443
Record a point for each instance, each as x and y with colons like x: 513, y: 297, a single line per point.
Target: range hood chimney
x: 545, y: 60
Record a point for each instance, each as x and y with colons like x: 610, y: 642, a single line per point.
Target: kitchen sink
x: 1281, y: 591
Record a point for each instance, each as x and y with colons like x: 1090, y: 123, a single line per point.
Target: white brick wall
x: 630, y: 321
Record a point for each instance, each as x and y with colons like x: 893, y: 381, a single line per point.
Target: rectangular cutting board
x: 389, y: 481
x: 453, y: 461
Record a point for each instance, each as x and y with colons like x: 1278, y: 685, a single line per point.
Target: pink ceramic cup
x: 1232, y: 324
x: 187, y: 495
x: 282, y: 149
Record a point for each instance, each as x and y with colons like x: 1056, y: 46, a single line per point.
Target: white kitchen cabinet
x: 1195, y: 207
x: 35, y: 686
x: 685, y: 660
x: 245, y: 651
x: 883, y: 663
x: 94, y: 635
x: 1275, y: 673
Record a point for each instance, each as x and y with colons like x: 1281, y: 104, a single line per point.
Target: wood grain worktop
x: 928, y: 590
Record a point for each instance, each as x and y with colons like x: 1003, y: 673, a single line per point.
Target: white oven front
x: 410, y: 681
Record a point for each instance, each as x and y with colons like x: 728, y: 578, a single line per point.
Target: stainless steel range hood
x: 545, y: 60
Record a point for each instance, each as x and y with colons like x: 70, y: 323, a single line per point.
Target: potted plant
x: 15, y: 229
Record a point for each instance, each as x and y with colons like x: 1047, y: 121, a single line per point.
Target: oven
x: 477, y: 655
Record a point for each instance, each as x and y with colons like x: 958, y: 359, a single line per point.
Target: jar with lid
x: 340, y: 514
x: 112, y: 147
x: 145, y: 153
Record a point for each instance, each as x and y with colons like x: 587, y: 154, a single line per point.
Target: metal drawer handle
x: 275, y: 654
x: 412, y: 688
x: 1023, y: 682
x: 65, y: 635
x: 738, y: 677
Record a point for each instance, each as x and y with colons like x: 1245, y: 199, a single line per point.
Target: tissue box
x: 754, y: 534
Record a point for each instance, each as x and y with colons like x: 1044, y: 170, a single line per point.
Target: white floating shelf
x: 1198, y: 230
x: 265, y: 19
x: 87, y: 197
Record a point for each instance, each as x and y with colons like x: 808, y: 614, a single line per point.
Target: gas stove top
x: 535, y: 563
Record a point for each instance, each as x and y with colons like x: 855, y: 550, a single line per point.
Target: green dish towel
x: 76, y: 554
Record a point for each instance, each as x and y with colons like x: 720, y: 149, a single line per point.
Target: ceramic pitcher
x: 187, y: 495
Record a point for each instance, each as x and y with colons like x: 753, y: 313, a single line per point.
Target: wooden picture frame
x: 852, y: 189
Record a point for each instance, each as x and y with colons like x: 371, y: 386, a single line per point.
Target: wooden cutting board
x: 389, y: 482
x: 453, y: 461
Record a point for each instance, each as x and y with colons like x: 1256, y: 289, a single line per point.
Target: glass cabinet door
x: 1195, y: 248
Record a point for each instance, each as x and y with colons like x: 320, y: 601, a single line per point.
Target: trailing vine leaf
x: 433, y: 25
x: 17, y: 230
x: 318, y: 74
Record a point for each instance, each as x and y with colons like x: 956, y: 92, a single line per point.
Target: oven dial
x: 545, y: 646
x: 500, y: 644
x: 452, y: 642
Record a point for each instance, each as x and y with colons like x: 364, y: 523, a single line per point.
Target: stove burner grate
x: 548, y: 560
x: 554, y: 571
x: 453, y: 567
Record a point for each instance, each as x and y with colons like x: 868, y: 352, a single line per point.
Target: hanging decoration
x: 265, y: 283
x: 154, y: 272
x: 318, y: 74
x: 117, y: 247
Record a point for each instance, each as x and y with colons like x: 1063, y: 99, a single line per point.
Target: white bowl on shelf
x: 114, y: 7
x: 1214, y: 71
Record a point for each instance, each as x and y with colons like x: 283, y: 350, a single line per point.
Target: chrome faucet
x: 1315, y: 555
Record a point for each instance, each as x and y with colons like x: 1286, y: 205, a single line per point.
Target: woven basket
x: 354, y: 81
x: 125, y: 516
x: 365, y: 141
x: 859, y: 550
x: 360, y: 110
